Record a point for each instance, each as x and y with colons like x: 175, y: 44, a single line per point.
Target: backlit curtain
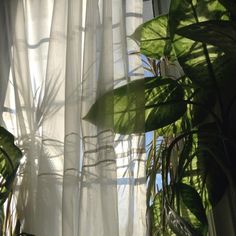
x: 59, y: 58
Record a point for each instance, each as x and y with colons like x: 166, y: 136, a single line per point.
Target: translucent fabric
x: 61, y: 56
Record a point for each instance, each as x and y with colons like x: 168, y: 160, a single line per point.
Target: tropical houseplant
x: 192, y: 114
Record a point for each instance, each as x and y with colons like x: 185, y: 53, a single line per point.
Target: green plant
x: 10, y: 156
x: 193, y: 114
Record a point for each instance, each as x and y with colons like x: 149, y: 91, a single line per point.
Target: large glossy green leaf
x: 218, y: 33
x: 154, y: 38
x: 162, y: 104
x: 9, y: 160
x: 203, y: 64
x: 193, y: 201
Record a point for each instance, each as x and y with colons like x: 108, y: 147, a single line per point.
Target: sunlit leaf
x: 203, y: 64
x: 165, y: 99
x: 157, y: 208
x: 221, y: 34
x: 162, y: 104
x: 154, y: 40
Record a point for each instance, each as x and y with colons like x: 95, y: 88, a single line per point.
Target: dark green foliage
x: 9, y: 160
x: 210, y: 158
x: 10, y: 156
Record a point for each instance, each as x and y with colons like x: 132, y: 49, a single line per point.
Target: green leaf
x: 9, y: 160
x: 155, y: 101
x: 154, y: 40
x: 193, y: 201
x: 203, y: 64
x: 157, y: 211
x: 165, y: 99
x: 221, y: 34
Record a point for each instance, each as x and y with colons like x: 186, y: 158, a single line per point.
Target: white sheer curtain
x: 76, y: 178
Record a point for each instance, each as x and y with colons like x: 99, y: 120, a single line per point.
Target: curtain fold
x: 76, y: 178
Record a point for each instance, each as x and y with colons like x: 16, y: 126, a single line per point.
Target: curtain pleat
x: 76, y: 178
